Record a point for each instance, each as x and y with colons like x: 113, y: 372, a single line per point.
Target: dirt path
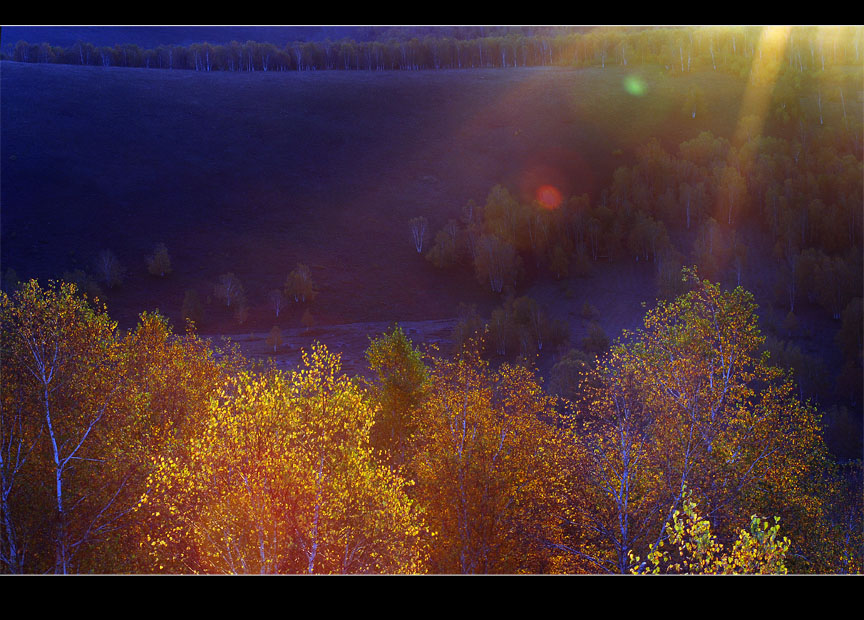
x: 616, y: 290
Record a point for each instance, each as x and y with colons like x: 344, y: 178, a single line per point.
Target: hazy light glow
x: 756, y: 100
x: 635, y: 85
x: 763, y: 74
x: 549, y: 197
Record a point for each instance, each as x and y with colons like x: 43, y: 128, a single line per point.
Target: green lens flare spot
x: 635, y: 85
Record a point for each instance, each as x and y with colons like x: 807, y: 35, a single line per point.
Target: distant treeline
x: 727, y: 49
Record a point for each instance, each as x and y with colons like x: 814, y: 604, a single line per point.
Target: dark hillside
x: 252, y: 173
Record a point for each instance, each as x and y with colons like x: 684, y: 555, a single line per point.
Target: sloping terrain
x: 253, y: 173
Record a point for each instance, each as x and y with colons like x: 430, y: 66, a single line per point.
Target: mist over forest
x: 431, y: 299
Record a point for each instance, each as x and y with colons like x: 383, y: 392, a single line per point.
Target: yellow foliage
x: 689, y: 402
x: 485, y: 467
x: 279, y: 477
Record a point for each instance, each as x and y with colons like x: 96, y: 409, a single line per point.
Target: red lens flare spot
x: 549, y: 196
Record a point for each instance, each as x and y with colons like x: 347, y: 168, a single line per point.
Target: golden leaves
x: 283, y: 479
x: 485, y: 466
x: 757, y: 550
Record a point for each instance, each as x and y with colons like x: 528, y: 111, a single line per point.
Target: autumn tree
x: 704, y: 150
x: 500, y: 329
x: 274, y: 338
x: 168, y: 379
x: 282, y: 479
x: 559, y: 259
x: 109, y: 268
x: 731, y: 188
x: 497, y: 263
x: 739, y: 258
x: 472, y: 217
x: 82, y: 413
x: 229, y: 290
x: 503, y: 216
x: 468, y: 325
x: 528, y: 314
x: 58, y: 398
x: 299, y: 285
x: 486, y: 468
x: 847, y: 552
x: 693, y: 200
x: 418, y: 227
x: 446, y: 252
x: 689, y: 402
x: 277, y: 301
x: 159, y: 263
x: 398, y: 388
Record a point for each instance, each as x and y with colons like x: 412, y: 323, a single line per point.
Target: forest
x: 678, y: 49
x: 683, y: 450
x: 716, y: 428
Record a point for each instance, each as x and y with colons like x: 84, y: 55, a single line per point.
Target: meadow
x: 253, y: 173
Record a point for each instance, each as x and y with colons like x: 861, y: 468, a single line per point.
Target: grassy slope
x: 252, y: 173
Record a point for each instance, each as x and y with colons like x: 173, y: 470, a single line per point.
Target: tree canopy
x: 682, y: 449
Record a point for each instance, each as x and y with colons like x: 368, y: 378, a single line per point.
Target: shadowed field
x: 252, y: 173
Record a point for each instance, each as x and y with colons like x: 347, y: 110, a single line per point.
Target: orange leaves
x: 59, y: 364
x: 485, y: 466
x: 689, y: 401
x: 281, y: 478
x: 197, y: 464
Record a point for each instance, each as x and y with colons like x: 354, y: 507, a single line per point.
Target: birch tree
x: 418, y: 227
x: 282, y: 479
x: 109, y: 268
x: 277, y: 301
x: 59, y: 358
x: 689, y: 403
x: 299, y: 285
x: 399, y: 389
x: 447, y: 250
x: 274, y: 338
x: 159, y: 263
x: 696, y: 550
x: 496, y: 263
x: 20, y: 433
x: 229, y: 289
x: 486, y: 467
x: 731, y: 188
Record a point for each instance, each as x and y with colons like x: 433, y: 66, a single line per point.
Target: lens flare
x: 548, y: 196
x: 635, y: 85
x: 764, y: 69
